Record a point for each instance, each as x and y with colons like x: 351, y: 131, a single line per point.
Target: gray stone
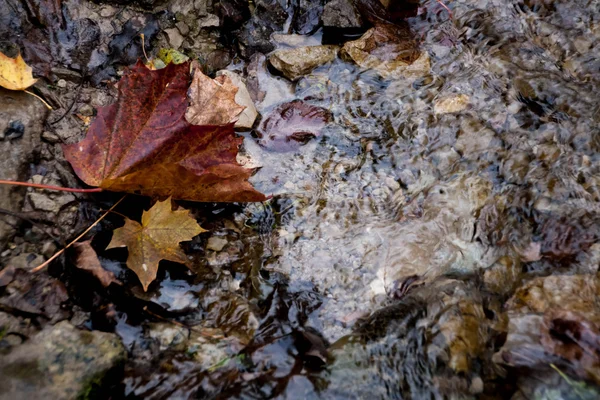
x: 50, y: 137
x: 210, y: 21
x: 44, y: 202
x: 26, y: 261
x: 295, y: 63
x: 175, y: 38
x: 86, y: 110
x: 17, y: 153
x: 341, y: 14
x: 60, y: 362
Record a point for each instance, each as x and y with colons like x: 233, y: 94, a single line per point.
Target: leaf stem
x: 48, y: 261
x: 50, y: 187
x: 39, y: 98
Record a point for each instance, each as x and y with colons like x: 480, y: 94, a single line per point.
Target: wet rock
x: 502, y: 277
x: 19, y: 152
x: 60, y: 362
x: 390, y: 51
x: 271, y: 13
x: 295, y: 63
x: 207, y: 347
x: 451, y: 104
x: 307, y: 18
x: 232, y: 314
x: 341, y: 14
x: 291, y: 125
x: 233, y: 13
x: 52, y: 202
x: 242, y: 97
x: 555, y: 319
x: 255, y: 37
x: 10, y: 324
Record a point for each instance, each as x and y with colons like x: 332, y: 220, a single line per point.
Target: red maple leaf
x: 143, y: 144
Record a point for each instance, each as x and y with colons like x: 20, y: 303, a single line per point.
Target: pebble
x: 50, y: 137
x: 216, y: 243
x: 61, y: 83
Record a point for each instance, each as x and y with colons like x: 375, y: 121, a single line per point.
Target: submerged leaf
x: 212, y: 101
x: 87, y: 259
x: 291, y: 125
x: 14, y: 73
x: 143, y: 144
x: 390, y: 50
x: 156, y: 238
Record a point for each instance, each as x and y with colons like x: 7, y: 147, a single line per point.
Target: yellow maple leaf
x: 14, y: 73
x: 156, y: 238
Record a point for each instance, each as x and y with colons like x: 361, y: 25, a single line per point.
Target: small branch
x: 50, y: 187
x: 36, y: 269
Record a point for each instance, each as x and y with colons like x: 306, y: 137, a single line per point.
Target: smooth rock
x: 451, y: 104
x: 341, y: 14
x: 17, y: 153
x: 60, y: 362
x: 242, y: 97
x: 216, y: 243
x: 295, y: 63
x: 175, y: 38
x: 43, y: 201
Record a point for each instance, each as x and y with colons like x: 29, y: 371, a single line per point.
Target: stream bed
x: 438, y: 237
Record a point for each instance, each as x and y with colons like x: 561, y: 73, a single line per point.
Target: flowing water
x: 382, y: 266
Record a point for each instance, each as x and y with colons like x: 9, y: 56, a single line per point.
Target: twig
x: 72, y: 103
x: 50, y: 187
x: 36, y: 269
x: 39, y: 98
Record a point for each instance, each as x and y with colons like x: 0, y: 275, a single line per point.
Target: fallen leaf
x: 87, y: 259
x: 172, y: 56
x: 14, y: 73
x: 212, y: 101
x: 143, y: 144
x: 291, y: 125
x: 156, y: 238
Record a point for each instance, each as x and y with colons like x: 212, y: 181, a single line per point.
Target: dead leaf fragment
x: 87, y: 259
x: 212, y: 101
x: 389, y: 50
x: 14, y: 73
x: 143, y: 144
x: 156, y: 238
